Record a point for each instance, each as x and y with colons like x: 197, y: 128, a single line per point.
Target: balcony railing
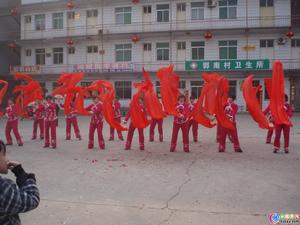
x: 126, y: 67
x: 147, y: 27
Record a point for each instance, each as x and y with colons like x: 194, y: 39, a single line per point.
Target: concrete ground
x: 204, y: 187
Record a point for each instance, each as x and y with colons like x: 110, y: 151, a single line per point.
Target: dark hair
x: 192, y: 98
x: 233, y: 97
x: 10, y: 99
x: 2, y: 147
x: 286, y: 97
x: 180, y: 97
x: 117, y: 97
x: 49, y: 97
x: 94, y: 97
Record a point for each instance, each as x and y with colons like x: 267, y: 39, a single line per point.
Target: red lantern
x: 135, y: 1
x: 135, y: 38
x: 70, y: 4
x: 12, y: 45
x: 70, y: 42
x: 13, y: 11
x: 208, y: 35
x: 290, y: 33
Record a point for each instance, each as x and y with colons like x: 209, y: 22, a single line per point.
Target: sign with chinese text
x: 230, y: 64
x: 104, y: 67
x: 25, y: 69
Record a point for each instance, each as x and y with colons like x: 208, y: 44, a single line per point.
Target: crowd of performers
x: 212, y: 108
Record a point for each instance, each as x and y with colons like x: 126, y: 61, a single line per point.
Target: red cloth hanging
x: 3, y: 90
x: 137, y: 112
x: 253, y: 104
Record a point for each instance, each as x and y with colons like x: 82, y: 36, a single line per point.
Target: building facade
x: 114, y: 40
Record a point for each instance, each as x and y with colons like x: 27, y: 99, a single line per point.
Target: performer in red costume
x: 71, y: 120
x: 131, y: 130
x: 96, y: 123
x: 12, y: 123
x: 285, y: 128
x: 192, y: 122
x: 117, y: 109
x: 230, y: 110
x: 38, y: 110
x: 50, y: 122
x: 181, y: 122
x: 268, y: 114
x: 152, y: 128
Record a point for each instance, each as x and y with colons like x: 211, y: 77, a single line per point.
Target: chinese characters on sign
x: 105, y: 67
x: 221, y: 65
x: 25, y: 69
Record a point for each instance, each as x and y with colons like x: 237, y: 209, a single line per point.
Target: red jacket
x: 287, y: 108
x: 117, y: 109
x: 38, y: 112
x: 184, y: 112
x: 127, y: 117
x: 72, y: 113
x: 50, y: 111
x: 96, y: 110
x: 11, y: 112
x: 231, y: 110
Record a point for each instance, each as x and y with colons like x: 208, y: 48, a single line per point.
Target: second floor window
x: 92, y: 49
x: 28, y: 52
x: 181, y: 45
x: 27, y: 19
x: 162, y: 51
x: 40, y: 56
x: 227, y: 9
x: 71, y: 50
x: 71, y: 15
x: 197, y: 50
x: 266, y: 43
x: 58, y: 55
x: 181, y: 7
x: 295, y: 43
x: 92, y: 13
x: 147, y: 9
x: 39, y: 22
x: 147, y: 46
x: 197, y: 10
x: 123, y: 52
x: 123, y: 15
x: 163, y: 13
x: 58, y: 20
x: 228, y: 49
x: 266, y: 3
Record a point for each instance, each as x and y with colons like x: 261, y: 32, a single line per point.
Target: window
x: 197, y: 50
x: 92, y: 49
x: 266, y: 3
x: 123, y: 15
x: 181, y: 7
x: 228, y: 49
x: 227, y: 9
x: 163, y: 13
x: 123, y: 89
x: 162, y: 51
x: 71, y: 50
x: 57, y: 20
x: 58, y: 55
x: 196, y: 87
x: 92, y: 13
x: 40, y: 56
x: 295, y: 43
x: 39, y: 22
x: 71, y: 15
x: 266, y: 43
x: 232, y: 88
x: 197, y: 10
x: 27, y: 19
x: 181, y: 45
x: 157, y: 88
x: 123, y: 52
x: 28, y: 52
x: 147, y: 9
x: 147, y: 47
x: 182, y: 84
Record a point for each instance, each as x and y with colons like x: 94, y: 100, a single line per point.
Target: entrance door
x: 147, y: 17
x: 180, y: 16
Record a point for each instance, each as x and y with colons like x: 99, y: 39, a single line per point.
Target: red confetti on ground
x: 123, y: 165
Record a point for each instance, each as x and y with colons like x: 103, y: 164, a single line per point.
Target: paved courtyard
x: 114, y: 187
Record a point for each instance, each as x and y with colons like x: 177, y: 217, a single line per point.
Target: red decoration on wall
x: 12, y: 45
x: 135, y: 38
x: 208, y: 35
x: 70, y: 5
x: 14, y: 11
x: 135, y: 1
x: 70, y: 42
x: 290, y: 33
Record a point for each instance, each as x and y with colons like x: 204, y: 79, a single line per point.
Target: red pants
x: 218, y: 133
x: 112, y: 131
x: 194, y: 125
x: 160, y: 129
x: 185, y: 135
x: 99, y: 128
x: 234, y: 138
x: 72, y: 122
x: 12, y: 125
x: 286, y: 135
x: 269, y: 135
x: 130, y: 136
x: 50, y: 129
x: 38, y: 123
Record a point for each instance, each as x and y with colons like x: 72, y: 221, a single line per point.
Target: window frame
x: 123, y: 89
x: 266, y: 3
x: 58, y: 20
x: 28, y: 52
x: 147, y: 9
x: 199, y: 9
x: 90, y: 13
x: 123, y: 50
x: 228, y: 47
x: 92, y: 49
x: 165, y: 51
x: 41, y: 22
x: 58, y: 56
x: 197, y: 86
x: 40, y: 57
x: 165, y: 13
x: 228, y: 7
x: 181, y: 7
x: 123, y: 13
x: 28, y: 19
x: 200, y: 47
x: 147, y: 47
x: 266, y: 43
x: 181, y: 45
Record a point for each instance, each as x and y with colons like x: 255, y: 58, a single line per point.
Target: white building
x: 113, y: 40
